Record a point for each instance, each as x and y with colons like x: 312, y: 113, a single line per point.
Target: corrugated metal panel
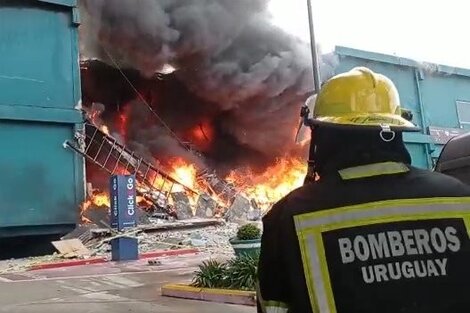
x: 38, y: 181
x: 42, y: 182
x: 38, y: 58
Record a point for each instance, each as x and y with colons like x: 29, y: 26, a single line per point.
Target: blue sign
x: 123, y: 202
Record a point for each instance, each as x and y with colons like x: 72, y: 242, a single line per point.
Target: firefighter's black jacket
x: 281, y: 273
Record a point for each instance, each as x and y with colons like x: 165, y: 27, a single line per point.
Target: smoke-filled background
x: 235, y: 92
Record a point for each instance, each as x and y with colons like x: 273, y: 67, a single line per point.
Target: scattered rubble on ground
x: 210, y: 236
x: 21, y: 265
x: 98, y: 215
x: 71, y: 248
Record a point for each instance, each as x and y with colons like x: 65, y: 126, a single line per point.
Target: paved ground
x: 110, y: 287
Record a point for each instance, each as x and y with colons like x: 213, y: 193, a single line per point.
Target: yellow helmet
x: 362, y: 98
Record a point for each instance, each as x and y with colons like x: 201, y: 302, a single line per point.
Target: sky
x: 430, y: 31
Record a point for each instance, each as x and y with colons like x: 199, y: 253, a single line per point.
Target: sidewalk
x: 107, y: 287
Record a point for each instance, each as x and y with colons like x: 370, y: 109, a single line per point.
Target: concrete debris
x: 180, y: 225
x: 223, y: 189
x: 142, y: 217
x: 214, y: 239
x: 21, y: 265
x: 254, y: 215
x: 182, y: 205
x: 238, y: 211
x: 154, y: 237
x: 98, y: 215
x: 71, y: 248
x: 254, y: 204
x: 158, y: 217
x: 100, y: 232
x: 210, y: 239
x: 83, y: 232
x: 206, y: 206
x: 157, y: 225
x: 195, y: 240
x: 159, y: 199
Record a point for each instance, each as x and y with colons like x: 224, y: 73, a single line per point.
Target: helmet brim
x: 372, y: 121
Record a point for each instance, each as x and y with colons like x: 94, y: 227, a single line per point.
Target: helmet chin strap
x: 311, y: 175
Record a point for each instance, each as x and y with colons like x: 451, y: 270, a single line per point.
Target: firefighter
x: 367, y: 232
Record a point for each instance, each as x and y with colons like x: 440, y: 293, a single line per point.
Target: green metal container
x: 42, y: 183
x: 243, y: 247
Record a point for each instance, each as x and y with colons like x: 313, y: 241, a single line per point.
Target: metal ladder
x: 113, y: 157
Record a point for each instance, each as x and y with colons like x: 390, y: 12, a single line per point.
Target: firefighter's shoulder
x: 440, y: 183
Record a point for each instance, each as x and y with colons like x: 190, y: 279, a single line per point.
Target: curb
x: 184, y: 291
x: 98, y: 260
x: 45, y: 266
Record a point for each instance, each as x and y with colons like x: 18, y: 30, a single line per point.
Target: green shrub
x: 248, y: 232
x: 211, y: 274
x: 242, y: 272
x: 239, y: 273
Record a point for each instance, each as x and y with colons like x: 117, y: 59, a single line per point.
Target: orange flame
x: 184, y: 172
x: 101, y: 199
x: 98, y: 200
x: 265, y: 188
x: 273, y: 184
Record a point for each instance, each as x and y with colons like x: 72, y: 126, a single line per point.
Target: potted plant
x: 247, y: 241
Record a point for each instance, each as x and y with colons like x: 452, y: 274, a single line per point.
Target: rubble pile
x: 177, y: 221
x: 21, y: 265
x: 174, y: 223
x: 154, y: 206
x: 212, y: 234
x: 175, y: 235
x: 213, y: 239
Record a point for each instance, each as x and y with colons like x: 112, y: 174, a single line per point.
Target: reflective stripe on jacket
x: 311, y: 226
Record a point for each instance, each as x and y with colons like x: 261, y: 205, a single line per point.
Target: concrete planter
x: 184, y: 291
x: 243, y: 247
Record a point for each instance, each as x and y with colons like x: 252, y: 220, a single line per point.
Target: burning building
x: 203, y: 95
x: 199, y: 88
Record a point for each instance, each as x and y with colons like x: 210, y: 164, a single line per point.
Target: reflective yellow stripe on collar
x: 375, y: 169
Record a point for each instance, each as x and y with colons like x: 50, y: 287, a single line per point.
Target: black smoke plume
x: 237, y: 77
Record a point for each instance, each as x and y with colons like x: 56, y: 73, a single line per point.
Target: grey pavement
x: 110, y: 287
